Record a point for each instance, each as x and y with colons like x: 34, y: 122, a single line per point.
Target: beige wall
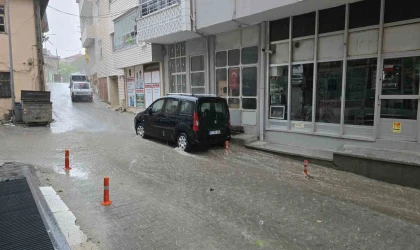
x: 24, y: 50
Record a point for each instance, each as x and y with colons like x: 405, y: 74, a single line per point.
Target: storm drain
x: 21, y: 225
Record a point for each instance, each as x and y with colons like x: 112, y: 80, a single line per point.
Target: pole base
x: 69, y: 168
x: 106, y: 203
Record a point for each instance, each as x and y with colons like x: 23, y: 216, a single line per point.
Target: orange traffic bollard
x: 227, y: 146
x: 106, y: 201
x: 305, y: 167
x: 67, y: 160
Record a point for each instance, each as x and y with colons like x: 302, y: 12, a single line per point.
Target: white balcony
x: 165, y: 21
x: 85, y: 7
x: 88, y: 35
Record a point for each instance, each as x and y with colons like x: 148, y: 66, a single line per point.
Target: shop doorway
x: 399, y: 99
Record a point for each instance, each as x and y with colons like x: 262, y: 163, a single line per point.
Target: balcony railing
x: 150, y: 6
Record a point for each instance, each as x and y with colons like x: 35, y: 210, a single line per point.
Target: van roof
x: 190, y: 97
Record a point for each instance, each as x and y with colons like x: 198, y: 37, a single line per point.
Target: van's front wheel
x: 183, y: 143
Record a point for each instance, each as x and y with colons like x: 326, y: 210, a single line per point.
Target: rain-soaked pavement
x: 166, y: 199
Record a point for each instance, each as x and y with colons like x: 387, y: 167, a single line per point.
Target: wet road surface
x: 166, y: 199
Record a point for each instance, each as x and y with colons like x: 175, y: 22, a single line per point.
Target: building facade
x: 27, y: 23
x: 313, y: 73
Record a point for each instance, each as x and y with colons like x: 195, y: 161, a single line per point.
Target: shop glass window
x: 234, y: 103
x: 401, y: 76
x: 234, y: 81
x: 197, y: 63
x: 221, y: 82
x: 364, y: 13
x: 399, y: 109
x: 5, y: 90
x: 279, y: 30
x: 249, y: 81
x: 197, y: 75
x: 278, y: 87
x: 221, y: 58
x: 304, y: 25
x: 171, y: 107
x: 360, y: 92
x: 401, y: 10
x: 233, y: 57
x: 328, y: 92
x: 332, y: 19
x: 249, y: 103
x: 250, y: 55
x: 302, y: 92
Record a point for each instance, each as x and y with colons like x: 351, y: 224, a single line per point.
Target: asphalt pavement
x: 208, y: 199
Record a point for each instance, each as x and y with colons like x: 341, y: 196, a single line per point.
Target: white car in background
x: 81, y: 91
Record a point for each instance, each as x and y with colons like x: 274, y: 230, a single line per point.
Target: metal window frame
x: 178, y: 73
x: 199, y: 71
x: 4, y: 20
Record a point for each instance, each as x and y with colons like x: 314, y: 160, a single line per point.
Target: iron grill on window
x: 5, y: 91
x: 150, y: 6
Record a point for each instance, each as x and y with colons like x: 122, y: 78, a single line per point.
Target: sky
x: 65, y: 27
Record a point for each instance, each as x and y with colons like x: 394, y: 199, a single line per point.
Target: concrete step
x: 392, y: 166
x: 315, y: 156
x: 243, y: 139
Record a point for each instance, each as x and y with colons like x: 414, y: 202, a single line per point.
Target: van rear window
x: 78, y: 78
x: 213, y: 107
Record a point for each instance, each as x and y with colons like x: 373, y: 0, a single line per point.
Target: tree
x: 66, y: 70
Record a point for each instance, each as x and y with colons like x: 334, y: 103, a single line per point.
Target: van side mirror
x: 149, y: 111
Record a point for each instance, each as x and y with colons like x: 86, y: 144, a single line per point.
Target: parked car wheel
x: 140, y: 130
x: 183, y: 143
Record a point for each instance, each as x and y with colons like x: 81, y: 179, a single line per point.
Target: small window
x: 197, y: 63
x: 233, y: 57
x: 197, y: 79
x: 221, y: 82
x: 332, y: 19
x: 304, y: 25
x: 5, y: 90
x: 249, y: 81
x: 249, y: 103
x: 171, y: 107
x: 401, y: 10
x: 364, y: 13
x: 221, y: 59
x: 279, y: 30
x: 250, y: 55
x: 157, y: 106
x: 187, y: 108
x: 2, y: 22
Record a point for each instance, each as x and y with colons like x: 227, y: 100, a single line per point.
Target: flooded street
x: 167, y: 199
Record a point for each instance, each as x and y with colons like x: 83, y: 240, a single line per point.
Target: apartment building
x: 316, y: 73
x: 96, y: 28
x: 27, y: 23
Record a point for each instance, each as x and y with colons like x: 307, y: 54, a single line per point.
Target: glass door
x: 399, y: 99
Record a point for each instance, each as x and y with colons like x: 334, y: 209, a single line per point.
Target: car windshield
x: 81, y: 85
x: 78, y: 78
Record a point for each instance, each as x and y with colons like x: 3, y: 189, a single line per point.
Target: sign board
x: 233, y: 78
x: 299, y: 125
x: 140, y: 98
x: 148, y: 96
x: 131, y: 92
x: 396, y: 127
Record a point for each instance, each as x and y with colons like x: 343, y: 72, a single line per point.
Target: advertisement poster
x: 148, y: 96
x: 233, y: 79
x: 156, y: 91
x: 131, y: 92
x: 140, y: 98
x: 396, y: 127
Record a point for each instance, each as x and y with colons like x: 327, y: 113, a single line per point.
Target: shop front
x: 349, y: 73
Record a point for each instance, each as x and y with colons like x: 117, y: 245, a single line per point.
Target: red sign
x: 233, y: 78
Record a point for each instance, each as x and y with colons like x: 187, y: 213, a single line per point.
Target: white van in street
x: 81, y: 91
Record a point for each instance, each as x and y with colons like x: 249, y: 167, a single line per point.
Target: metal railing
x: 149, y: 6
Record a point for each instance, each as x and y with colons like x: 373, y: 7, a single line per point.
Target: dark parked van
x: 186, y: 119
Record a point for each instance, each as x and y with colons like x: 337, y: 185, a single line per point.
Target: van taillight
x: 228, y: 125
x: 196, y: 123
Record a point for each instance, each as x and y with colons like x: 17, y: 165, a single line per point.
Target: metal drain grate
x: 21, y: 225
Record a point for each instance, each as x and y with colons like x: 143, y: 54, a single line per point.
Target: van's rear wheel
x: 183, y: 143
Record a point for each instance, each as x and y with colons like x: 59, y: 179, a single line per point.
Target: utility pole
x: 58, y: 61
x: 12, y: 80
